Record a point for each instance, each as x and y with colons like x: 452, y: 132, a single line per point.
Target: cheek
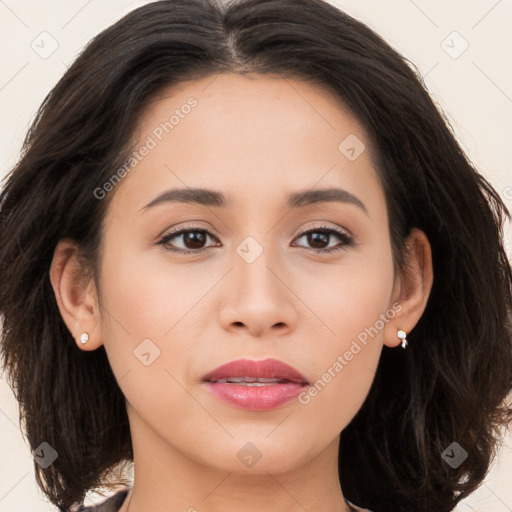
x: 154, y: 316
x: 353, y: 304
x: 349, y: 297
x: 149, y: 327
x: 138, y: 310
x: 149, y: 297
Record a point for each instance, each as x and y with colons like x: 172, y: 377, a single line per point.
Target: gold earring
x: 403, y: 336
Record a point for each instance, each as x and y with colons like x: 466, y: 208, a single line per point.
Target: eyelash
x: 347, y: 241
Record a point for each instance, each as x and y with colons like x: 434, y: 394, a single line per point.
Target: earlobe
x: 412, y: 287
x: 76, y: 295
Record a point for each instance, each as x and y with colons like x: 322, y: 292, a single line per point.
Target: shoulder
x: 111, y: 504
x: 358, y: 509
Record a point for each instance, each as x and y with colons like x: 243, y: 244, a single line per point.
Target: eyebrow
x: 207, y: 197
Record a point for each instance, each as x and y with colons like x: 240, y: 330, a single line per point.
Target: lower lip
x: 255, y: 398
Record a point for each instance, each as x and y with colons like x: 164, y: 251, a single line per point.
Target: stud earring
x: 84, y: 338
x: 403, y: 336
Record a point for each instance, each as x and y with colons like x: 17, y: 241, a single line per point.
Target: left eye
x: 323, y: 236
x: 193, y: 240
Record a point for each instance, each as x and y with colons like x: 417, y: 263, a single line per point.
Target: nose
x: 259, y: 298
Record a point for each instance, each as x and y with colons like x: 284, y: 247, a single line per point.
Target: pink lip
x: 256, y: 398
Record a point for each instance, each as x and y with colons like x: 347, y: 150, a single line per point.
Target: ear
x: 412, y: 287
x: 76, y: 294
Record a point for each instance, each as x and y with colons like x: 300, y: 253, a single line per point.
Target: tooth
x: 244, y: 380
x: 241, y: 379
x: 255, y: 384
x: 250, y: 381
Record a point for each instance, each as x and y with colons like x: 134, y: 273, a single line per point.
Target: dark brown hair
x: 449, y: 386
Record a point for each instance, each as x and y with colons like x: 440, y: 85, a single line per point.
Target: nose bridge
x: 252, y: 262
x: 258, y: 299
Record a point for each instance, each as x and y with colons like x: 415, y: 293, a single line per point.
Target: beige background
x: 472, y: 85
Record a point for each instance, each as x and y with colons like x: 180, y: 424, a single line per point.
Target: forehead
x: 230, y: 131
x: 228, y: 104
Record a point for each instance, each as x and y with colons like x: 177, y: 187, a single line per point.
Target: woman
x: 243, y: 250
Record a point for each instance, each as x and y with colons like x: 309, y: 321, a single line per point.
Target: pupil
x: 194, y: 238
x: 318, y: 237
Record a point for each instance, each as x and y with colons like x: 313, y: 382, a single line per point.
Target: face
x: 254, y: 276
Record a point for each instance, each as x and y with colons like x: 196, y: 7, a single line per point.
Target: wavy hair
x: 451, y: 385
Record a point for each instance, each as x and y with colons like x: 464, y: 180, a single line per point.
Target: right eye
x: 192, y: 239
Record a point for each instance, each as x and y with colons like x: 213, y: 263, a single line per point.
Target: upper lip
x: 264, y: 369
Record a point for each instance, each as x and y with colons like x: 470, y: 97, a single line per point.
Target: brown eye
x: 320, y: 238
x: 187, y: 239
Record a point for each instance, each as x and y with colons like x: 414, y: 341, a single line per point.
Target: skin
x: 255, y: 139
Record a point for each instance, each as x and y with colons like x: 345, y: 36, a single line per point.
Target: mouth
x: 255, y: 385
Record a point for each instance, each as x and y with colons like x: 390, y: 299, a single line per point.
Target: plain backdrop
x: 462, y: 49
